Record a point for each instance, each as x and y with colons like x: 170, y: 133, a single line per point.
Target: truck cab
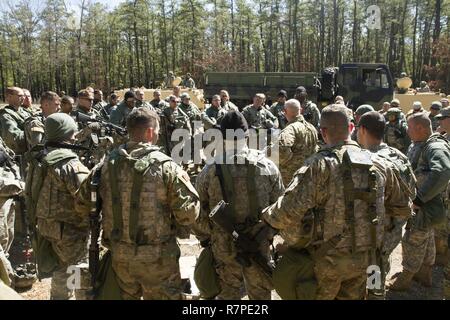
x: 365, y: 83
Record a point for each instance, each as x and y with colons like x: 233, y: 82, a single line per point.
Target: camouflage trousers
x: 341, y: 275
x: 72, y: 275
x: 150, y: 272
x: 7, y: 216
x: 418, y: 248
x: 392, y: 238
x: 233, y: 277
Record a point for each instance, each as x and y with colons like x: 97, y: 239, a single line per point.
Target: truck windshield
x: 375, y: 78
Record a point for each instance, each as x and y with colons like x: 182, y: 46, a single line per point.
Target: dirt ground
x: 190, y: 250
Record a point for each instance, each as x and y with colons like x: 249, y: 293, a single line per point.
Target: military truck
x: 358, y: 83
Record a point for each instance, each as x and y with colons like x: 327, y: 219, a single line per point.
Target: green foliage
x: 140, y: 41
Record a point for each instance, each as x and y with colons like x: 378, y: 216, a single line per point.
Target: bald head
x: 292, y: 109
x: 335, y: 124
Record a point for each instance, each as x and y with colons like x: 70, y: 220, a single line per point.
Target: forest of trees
x: 137, y: 43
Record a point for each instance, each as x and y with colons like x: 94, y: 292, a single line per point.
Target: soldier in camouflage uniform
x: 27, y: 104
x: 254, y: 182
x: 435, y: 108
x: 168, y: 82
x: 56, y: 220
x: 309, y: 109
x: 139, y: 226
x: 277, y: 109
x: 213, y: 114
x: 259, y: 117
x: 12, y: 118
x: 417, y: 108
x: 67, y: 104
x: 194, y: 114
x: 10, y: 186
x: 225, y: 101
x: 342, y: 239
x: 442, y: 232
x: 188, y: 82
x: 119, y: 115
x: 172, y: 118
x: 157, y: 103
x: 430, y: 158
x: 98, y: 103
x: 34, y: 125
x: 370, y: 137
x: 296, y: 142
x: 396, y: 131
x: 362, y: 109
x: 140, y: 102
x: 84, y: 106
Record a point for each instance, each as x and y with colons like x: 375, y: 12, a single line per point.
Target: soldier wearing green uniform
x: 396, y: 130
x: 277, y: 109
x: 309, y: 109
x: 430, y: 158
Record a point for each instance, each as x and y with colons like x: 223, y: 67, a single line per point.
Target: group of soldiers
x: 310, y: 225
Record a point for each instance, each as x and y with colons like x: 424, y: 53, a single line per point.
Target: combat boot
x: 401, y: 281
x: 424, y: 276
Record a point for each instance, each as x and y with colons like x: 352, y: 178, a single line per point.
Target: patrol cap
x: 282, y: 93
x: 374, y: 122
x: 300, y: 90
x: 362, y: 109
x: 60, y: 127
x: 417, y: 105
x: 436, y: 105
x: 395, y: 102
x: 445, y: 113
x: 233, y: 120
x: 393, y: 111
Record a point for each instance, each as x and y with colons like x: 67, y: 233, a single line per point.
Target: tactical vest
x: 128, y: 217
x: 50, y: 202
x: 361, y: 230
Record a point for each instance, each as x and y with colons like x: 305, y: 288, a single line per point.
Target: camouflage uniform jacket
x: 171, y: 119
x: 396, y: 135
x: 166, y: 197
x: 56, y: 202
x: 313, y: 208
x: 34, y: 129
x: 431, y: 163
x: 189, y: 83
x: 144, y: 104
x: 277, y: 110
x: 297, y: 142
x: 99, y: 105
x: 12, y: 128
x: 158, y: 105
x: 434, y: 122
x: 269, y: 186
x: 311, y: 113
x: 212, y: 116
x: 228, y: 105
x: 119, y: 115
x: 259, y: 118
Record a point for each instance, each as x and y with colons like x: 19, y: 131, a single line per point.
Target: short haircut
x: 224, y: 92
x: 66, y: 100
x: 113, y: 96
x: 216, y: 96
x: 334, y: 118
x: 140, y: 119
x: 85, y: 93
x: 98, y: 91
x: 48, y: 96
x: 260, y: 95
x: 421, y: 119
x: 374, y: 123
x: 292, y: 104
x: 172, y: 97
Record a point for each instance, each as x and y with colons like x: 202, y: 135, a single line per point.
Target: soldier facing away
x: 139, y: 224
x: 250, y: 183
x: 51, y: 205
x: 297, y: 141
x: 325, y: 210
